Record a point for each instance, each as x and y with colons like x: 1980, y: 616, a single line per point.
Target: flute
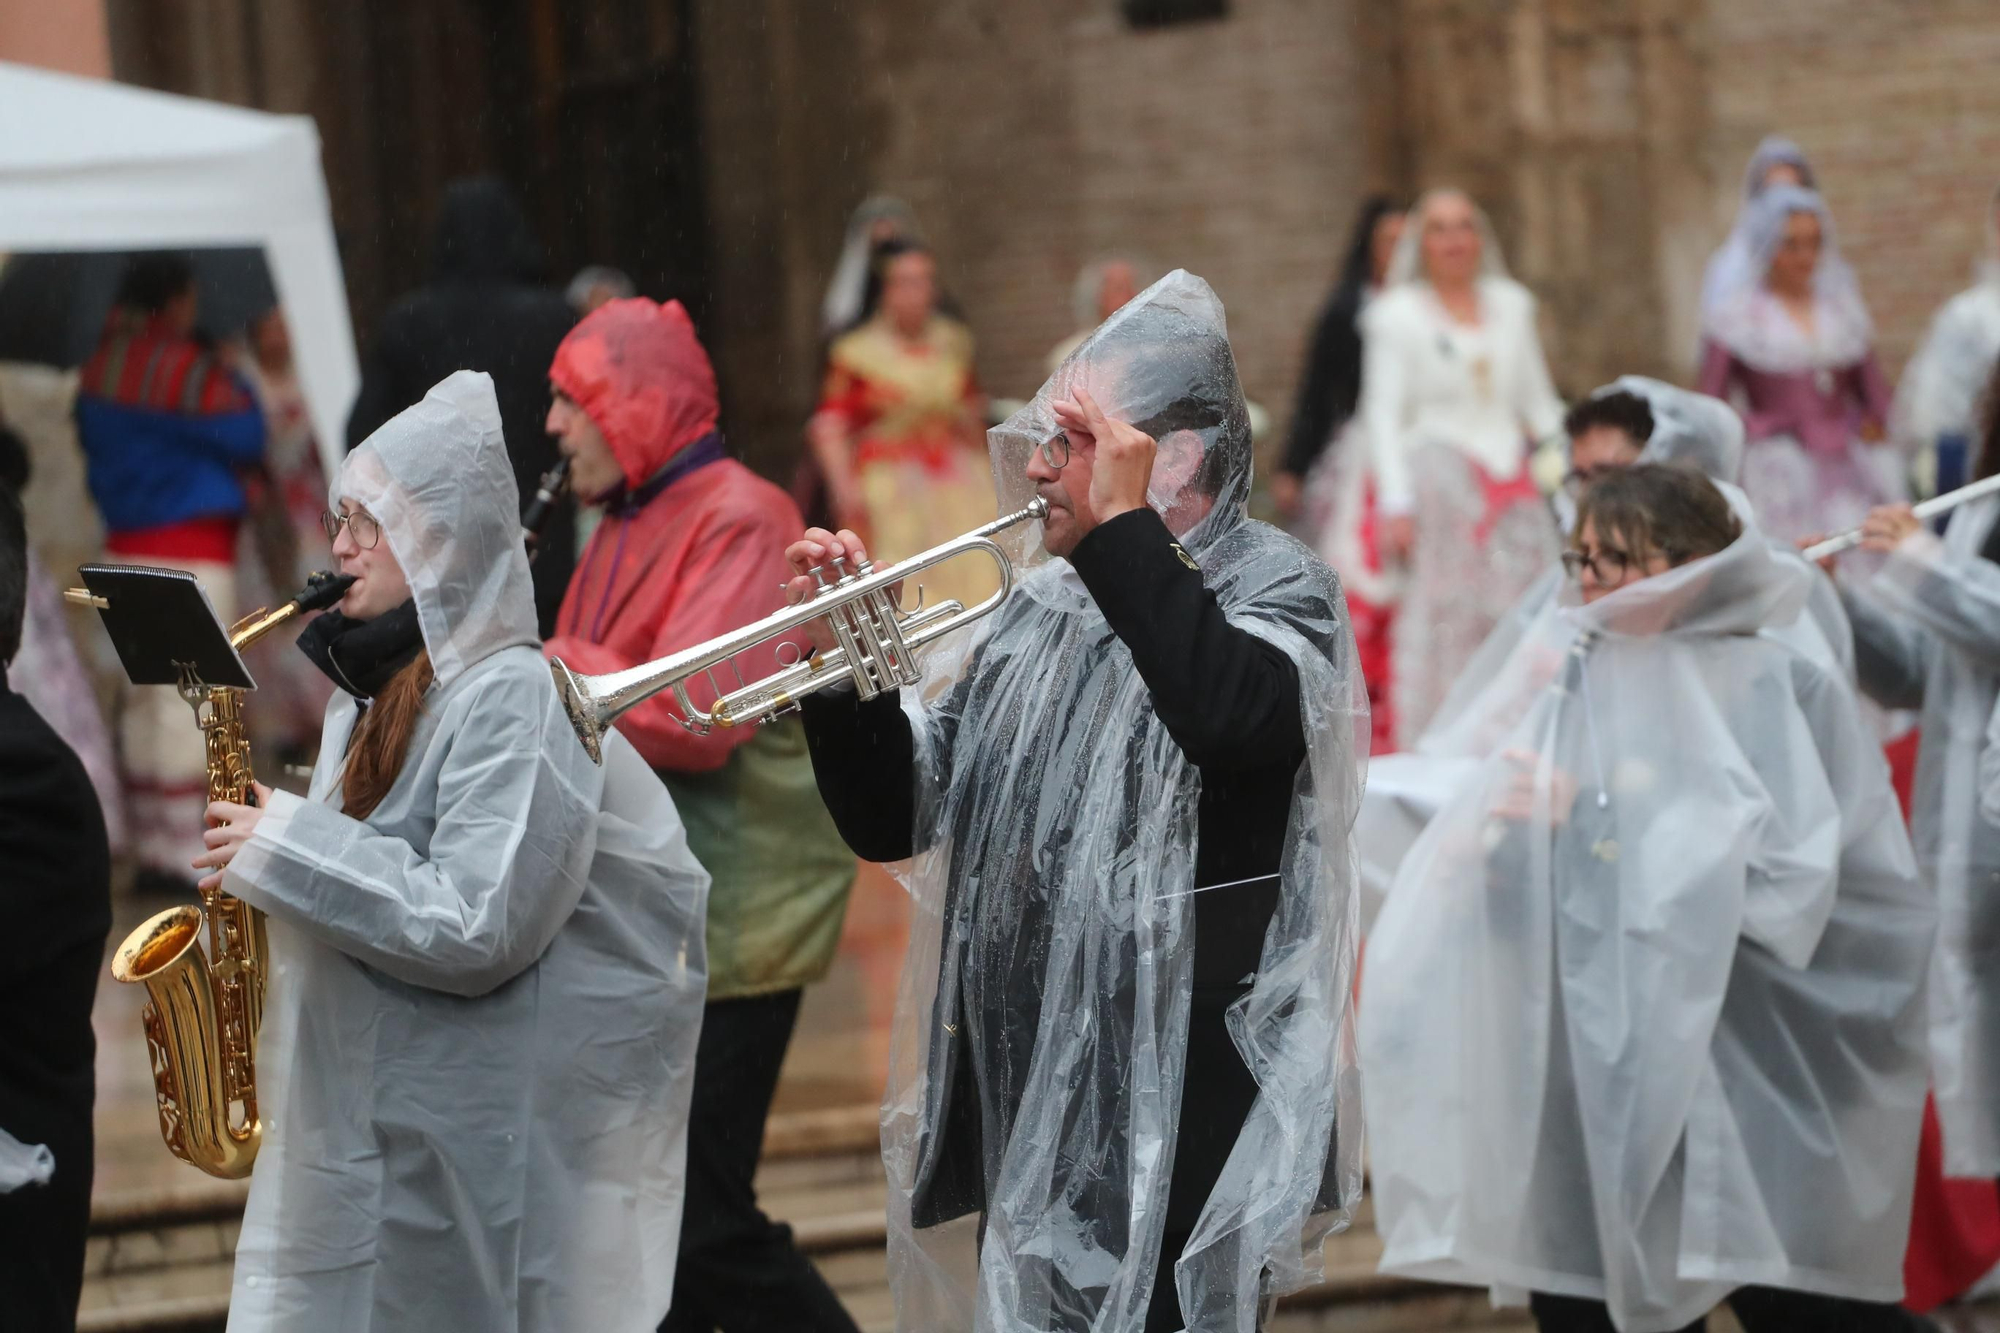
x: 553, y: 483
x: 1931, y: 508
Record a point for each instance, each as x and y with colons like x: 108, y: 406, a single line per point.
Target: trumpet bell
x: 574, y: 691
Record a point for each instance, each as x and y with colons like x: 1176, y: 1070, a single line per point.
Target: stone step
x: 162, y: 1265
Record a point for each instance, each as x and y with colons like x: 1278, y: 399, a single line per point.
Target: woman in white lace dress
x: 1454, y: 391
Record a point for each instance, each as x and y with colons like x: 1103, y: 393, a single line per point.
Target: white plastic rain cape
x: 1663, y: 1035
x: 480, y: 1028
x: 1406, y: 790
x: 1058, y: 822
x: 1940, y: 646
x: 1941, y: 387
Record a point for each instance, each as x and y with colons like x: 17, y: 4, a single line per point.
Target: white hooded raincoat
x: 1662, y: 1037
x: 481, y: 1019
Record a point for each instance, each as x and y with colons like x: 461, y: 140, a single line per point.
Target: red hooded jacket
x: 694, y: 544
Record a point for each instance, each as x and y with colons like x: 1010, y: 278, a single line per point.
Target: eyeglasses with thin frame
x: 1055, y: 450
x: 1607, y: 564
x: 367, y: 531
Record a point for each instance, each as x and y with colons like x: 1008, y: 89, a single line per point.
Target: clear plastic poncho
x: 1659, y: 1032
x: 1059, y: 822
x: 1930, y: 635
x: 480, y: 1023
x: 1406, y: 790
x: 1941, y: 388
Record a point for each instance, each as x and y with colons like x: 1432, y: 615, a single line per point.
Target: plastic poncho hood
x: 1692, y: 429
x: 1053, y: 940
x: 437, y: 478
x: 1161, y: 362
x: 640, y: 374
x: 1643, y: 1015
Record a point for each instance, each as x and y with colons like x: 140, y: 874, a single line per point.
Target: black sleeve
x: 864, y: 759
x: 1229, y: 699
x: 1331, y: 387
x: 55, y: 865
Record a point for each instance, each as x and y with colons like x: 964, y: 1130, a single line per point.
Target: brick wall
x: 1032, y: 135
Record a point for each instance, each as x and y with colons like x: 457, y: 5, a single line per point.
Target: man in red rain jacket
x: 691, y: 546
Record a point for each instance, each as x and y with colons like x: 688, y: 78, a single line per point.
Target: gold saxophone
x: 204, y: 1011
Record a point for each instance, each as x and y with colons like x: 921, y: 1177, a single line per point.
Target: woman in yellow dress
x: 898, y: 430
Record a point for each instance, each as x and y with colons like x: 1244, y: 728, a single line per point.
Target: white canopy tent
x: 91, y: 165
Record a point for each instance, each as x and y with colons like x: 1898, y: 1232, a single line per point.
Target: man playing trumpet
x: 1123, y: 1040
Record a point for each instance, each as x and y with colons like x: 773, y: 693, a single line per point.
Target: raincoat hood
x: 1162, y: 363
x: 1740, y: 589
x: 437, y: 478
x: 483, y: 234
x: 638, y: 371
x: 1692, y: 428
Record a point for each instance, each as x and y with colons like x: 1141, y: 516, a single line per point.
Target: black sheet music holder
x: 164, y: 629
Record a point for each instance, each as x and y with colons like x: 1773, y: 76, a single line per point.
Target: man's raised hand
x: 1123, y: 462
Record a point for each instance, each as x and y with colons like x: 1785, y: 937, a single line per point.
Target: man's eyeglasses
x: 360, y: 522
x: 1055, y: 450
x: 1607, y: 564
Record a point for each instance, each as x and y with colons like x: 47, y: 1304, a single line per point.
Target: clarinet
x: 547, y: 491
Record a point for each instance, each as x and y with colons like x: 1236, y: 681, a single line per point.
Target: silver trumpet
x: 876, y: 649
x: 1929, y: 509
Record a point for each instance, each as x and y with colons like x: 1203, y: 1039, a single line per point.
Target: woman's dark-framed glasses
x: 1607, y: 564
x: 360, y: 522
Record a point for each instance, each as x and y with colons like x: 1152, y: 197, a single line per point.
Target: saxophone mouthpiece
x: 323, y: 590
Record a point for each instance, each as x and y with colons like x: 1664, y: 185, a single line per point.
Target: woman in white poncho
x: 1642, y: 1022
x: 1927, y: 634
x: 487, y: 952
x: 1630, y: 421
x: 1938, y: 401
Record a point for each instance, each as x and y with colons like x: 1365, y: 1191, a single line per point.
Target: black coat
x: 1231, y: 703
x: 55, y: 896
x: 482, y: 311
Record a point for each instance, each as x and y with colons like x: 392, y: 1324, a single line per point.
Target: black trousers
x: 42, y: 1234
x: 1758, y: 1309
x: 738, y: 1270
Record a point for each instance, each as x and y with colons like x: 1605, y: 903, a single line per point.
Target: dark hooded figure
x: 485, y: 308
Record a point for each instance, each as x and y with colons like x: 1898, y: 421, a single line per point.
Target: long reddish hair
x: 382, y: 742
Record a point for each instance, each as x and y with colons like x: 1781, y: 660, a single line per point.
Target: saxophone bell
x: 205, y: 1009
